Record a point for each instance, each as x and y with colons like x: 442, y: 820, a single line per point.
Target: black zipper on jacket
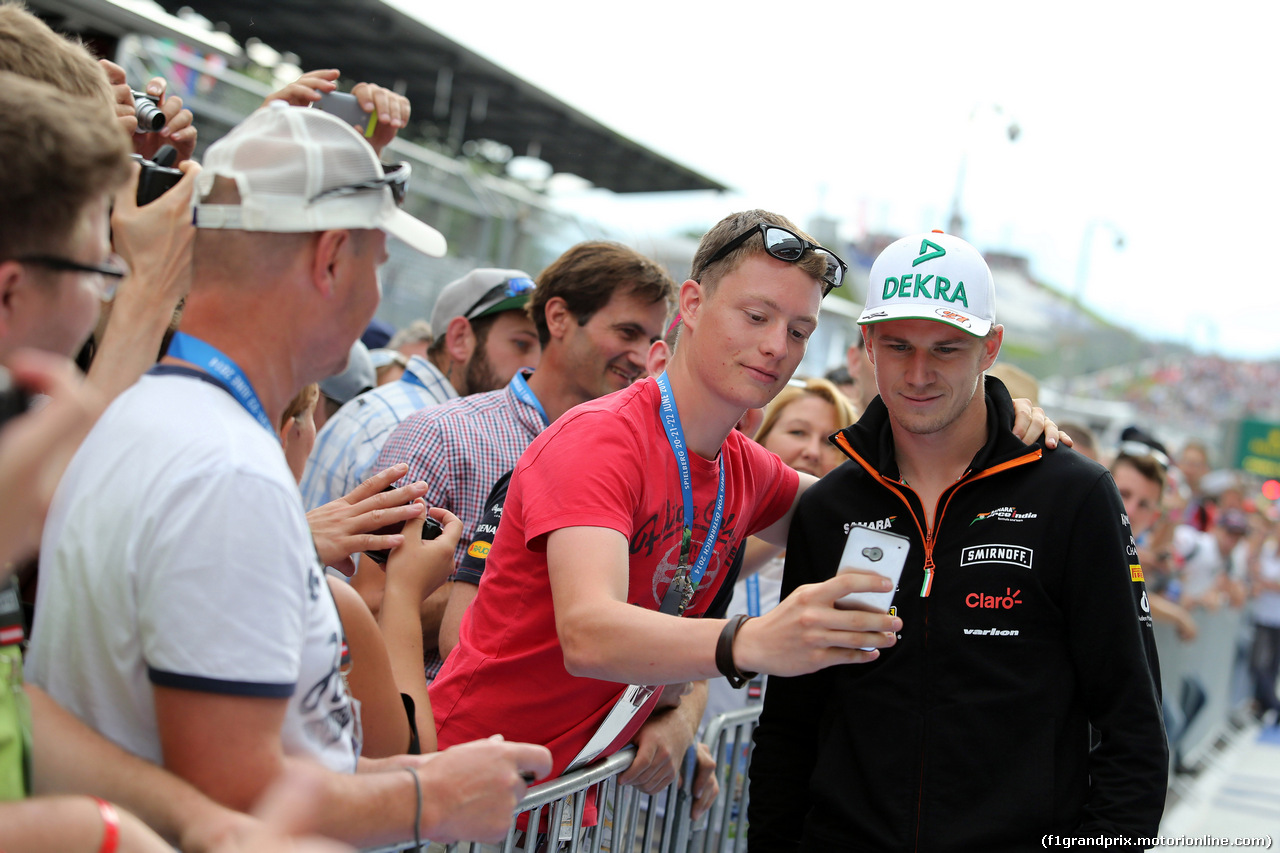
x: 842, y: 441
x: 939, y: 509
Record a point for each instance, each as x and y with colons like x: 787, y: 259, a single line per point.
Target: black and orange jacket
x: 1025, y: 623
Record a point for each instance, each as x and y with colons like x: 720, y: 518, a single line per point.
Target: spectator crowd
x: 276, y: 571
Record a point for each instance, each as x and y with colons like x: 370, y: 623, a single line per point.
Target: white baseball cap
x: 297, y: 170
x: 932, y: 276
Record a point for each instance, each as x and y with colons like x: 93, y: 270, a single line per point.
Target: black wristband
x: 724, y: 653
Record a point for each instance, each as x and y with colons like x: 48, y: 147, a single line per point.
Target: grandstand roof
x: 464, y: 95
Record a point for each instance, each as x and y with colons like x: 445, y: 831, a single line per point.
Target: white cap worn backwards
x: 298, y: 169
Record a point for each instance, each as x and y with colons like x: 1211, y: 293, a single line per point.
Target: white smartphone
x: 873, y: 551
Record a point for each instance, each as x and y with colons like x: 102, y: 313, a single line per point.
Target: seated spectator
x: 209, y: 644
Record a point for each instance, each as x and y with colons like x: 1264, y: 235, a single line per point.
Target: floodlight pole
x: 955, y: 223
x: 1086, y: 250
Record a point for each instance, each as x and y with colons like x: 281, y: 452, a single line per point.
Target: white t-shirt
x: 1203, y: 562
x: 177, y: 553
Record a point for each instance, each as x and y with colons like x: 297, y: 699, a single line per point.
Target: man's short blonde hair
x: 57, y: 154
x: 709, y: 274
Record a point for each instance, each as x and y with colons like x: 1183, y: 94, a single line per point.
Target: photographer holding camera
x: 154, y: 241
x: 152, y: 118
x: 55, y: 262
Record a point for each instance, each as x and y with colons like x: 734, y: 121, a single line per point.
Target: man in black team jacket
x: 1025, y: 617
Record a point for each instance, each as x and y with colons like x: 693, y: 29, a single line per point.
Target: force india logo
x: 1014, y: 555
x: 1004, y: 513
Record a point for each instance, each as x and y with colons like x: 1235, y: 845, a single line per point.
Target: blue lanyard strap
x: 675, y: 436
x: 229, y: 375
x: 753, y: 595
x: 525, y: 395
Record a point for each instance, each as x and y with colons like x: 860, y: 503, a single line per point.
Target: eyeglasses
x: 395, y: 178
x: 509, y: 288
x: 786, y: 245
x: 111, y: 272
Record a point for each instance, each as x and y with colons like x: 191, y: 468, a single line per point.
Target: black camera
x: 147, y: 109
x: 14, y: 400
x: 156, y: 179
x: 430, y: 530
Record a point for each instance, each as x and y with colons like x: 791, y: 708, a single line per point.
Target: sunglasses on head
x: 507, y: 289
x: 395, y: 178
x: 786, y: 245
x: 1139, y: 450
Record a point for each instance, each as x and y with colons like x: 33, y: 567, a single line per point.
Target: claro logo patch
x: 1014, y: 555
x: 983, y: 601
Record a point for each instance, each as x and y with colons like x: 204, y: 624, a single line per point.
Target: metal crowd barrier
x: 1200, y: 697
x: 1200, y: 694
x: 1198, y: 679
x: 629, y: 821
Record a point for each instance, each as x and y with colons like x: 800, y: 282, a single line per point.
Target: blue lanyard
x: 675, y: 435
x: 227, y: 372
x: 753, y: 595
x: 525, y: 395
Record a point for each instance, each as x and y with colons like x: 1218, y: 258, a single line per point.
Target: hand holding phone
x: 876, y: 551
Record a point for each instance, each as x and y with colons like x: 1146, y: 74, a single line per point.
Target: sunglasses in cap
x: 786, y: 245
x: 498, y: 293
x: 395, y: 178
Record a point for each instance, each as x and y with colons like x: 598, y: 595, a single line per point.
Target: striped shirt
x: 460, y: 449
x: 349, y: 443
